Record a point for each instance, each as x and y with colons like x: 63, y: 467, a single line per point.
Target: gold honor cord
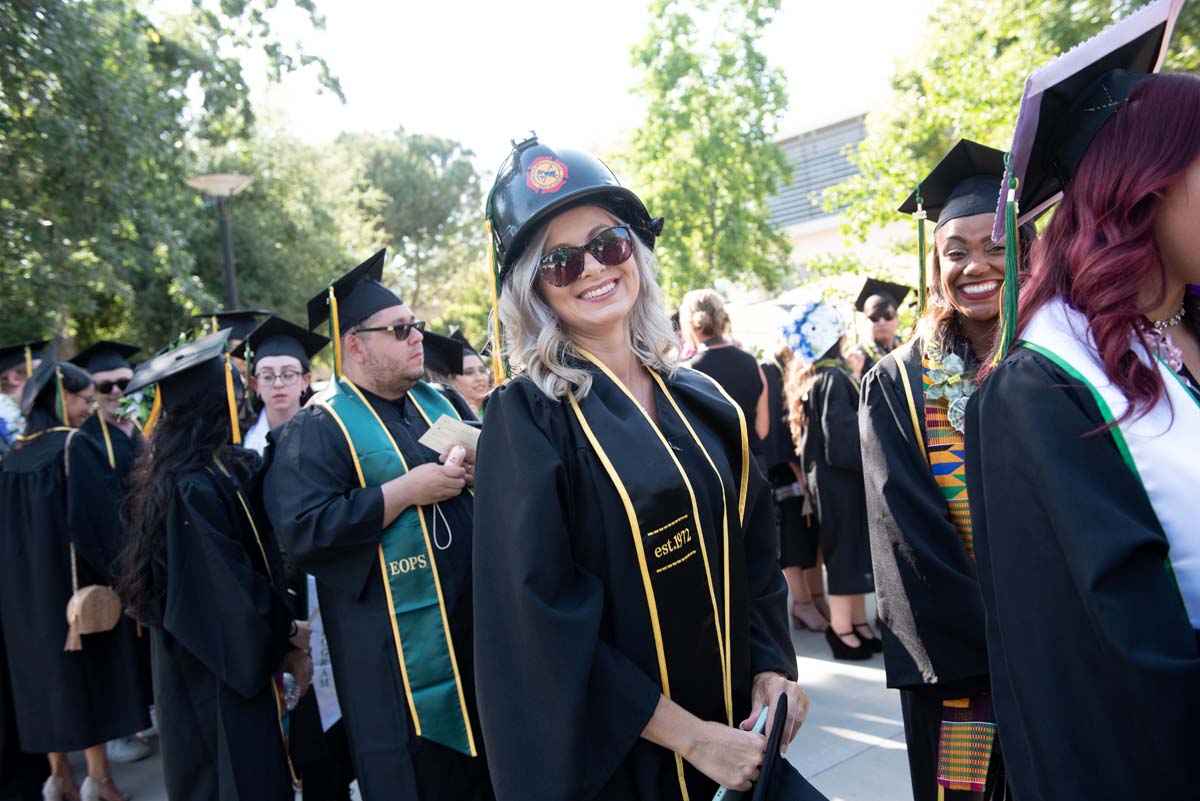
x: 280, y: 709
x: 745, y: 436
x: 721, y: 643
x: 231, y: 400
x: 639, y: 548
x: 112, y: 459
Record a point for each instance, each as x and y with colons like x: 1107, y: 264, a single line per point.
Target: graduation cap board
x: 873, y: 287
x: 351, y: 299
x: 279, y: 337
x: 443, y: 355
x: 240, y: 322
x: 778, y: 779
x: 185, y: 374
x: 1065, y: 105
x: 105, y: 355
x: 21, y: 353
x: 964, y: 183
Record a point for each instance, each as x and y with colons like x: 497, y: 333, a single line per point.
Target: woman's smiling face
x: 603, y: 296
x: 972, y: 266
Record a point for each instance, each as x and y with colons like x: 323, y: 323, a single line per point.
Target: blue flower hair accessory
x: 814, y: 328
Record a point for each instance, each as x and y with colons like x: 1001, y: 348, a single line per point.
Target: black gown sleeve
x: 327, y: 524
x: 93, y: 506
x: 218, y: 607
x: 771, y: 646
x: 1095, y: 665
x: 560, y: 707
x: 839, y: 420
x: 925, y: 584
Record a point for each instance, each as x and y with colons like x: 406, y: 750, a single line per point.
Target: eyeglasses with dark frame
x: 562, y: 266
x: 400, y: 330
x: 288, y: 377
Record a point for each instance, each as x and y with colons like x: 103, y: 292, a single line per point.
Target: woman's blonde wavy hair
x: 538, y: 346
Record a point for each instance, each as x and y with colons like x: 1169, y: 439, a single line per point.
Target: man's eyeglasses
x: 288, y: 377
x: 106, y: 387
x: 399, y: 330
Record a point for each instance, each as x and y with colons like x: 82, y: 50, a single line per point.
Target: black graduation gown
x: 797, y: 534
x: 96, y: 508
x: 832, y: 461
x: 331, y: 528
x: 567, y: 670
x: 63, y: 700
x: 1095, y: 666
x: 21, y: 774
x: 926, y: 590
x: 224, y: 632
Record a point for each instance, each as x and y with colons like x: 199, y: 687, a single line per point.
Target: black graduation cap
x: 105, y: 355
x: 359, y: 294
x: 1068, y: 101
x: 21, y: 353
x: 443, y: 355
x: 458, y: 335
x: 43, y: 376
x: 778, y: 779
x: 186, y: 373
x: 278, y: 337
x: 873, y: 286
x: 239, y: 322
x: 964, y: 183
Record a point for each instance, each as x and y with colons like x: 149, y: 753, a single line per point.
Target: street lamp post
x: 221, y: 187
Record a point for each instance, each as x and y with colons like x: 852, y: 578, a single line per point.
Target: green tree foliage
x: 705, y: 157
x: 96, y: 137
x: 965, y: 80
x: 304, y: 220
x: 431, y: 212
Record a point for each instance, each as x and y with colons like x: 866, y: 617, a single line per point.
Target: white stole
x: 1163, y: 445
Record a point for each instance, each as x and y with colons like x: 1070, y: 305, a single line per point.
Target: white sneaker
x: 128, y: 749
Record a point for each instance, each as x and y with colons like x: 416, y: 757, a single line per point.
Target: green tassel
x: 1012, y: 250
x: 920, y: 216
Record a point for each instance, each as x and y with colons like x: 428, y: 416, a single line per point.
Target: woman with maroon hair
x: 1082, y: 464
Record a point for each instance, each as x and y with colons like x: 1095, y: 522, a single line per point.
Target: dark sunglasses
x: 885, y: 314
x: 563, y: 265
x: 105, y: 387
x: 399, y: 330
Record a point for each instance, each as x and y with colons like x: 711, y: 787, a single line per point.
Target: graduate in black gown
x: 16, y: 367
x: 822, y: 397
x: 444, y: 356
x: 63, y: 700
x: 117, y: 440
x: 202, y: 570
x: 385, y: 527
x: 879, y: 302
x: 629, y: 607
x: 1082, y: 443
x: 911, y: 423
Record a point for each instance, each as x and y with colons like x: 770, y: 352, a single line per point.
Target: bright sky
x: 486, y: 72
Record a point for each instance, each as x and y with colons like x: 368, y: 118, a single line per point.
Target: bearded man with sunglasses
x: 384, y: 524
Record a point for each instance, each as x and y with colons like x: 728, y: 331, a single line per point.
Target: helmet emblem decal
x: 546, y: 175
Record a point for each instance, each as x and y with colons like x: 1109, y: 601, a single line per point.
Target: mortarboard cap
x: 443, y: 355
x: 239, y: 322
x: 359, y: 294
x: 778, y: 779
x: 105, y: 355
x: 896, y: 293
x: 42, y: 378
x: 964, y: 183
x: 278, y: 337
x: 185, y: 374
x: 458, y: 335
x: 25, y: 353
x: 1069, y: 100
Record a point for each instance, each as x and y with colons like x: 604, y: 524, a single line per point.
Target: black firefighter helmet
x: 536, y: 181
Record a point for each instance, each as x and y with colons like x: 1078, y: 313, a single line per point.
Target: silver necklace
x: 1172, y: 321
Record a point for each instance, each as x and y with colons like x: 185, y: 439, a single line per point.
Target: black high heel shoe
x: 873, y: 643
x: 843, y: 650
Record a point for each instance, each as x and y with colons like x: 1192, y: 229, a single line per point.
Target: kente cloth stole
x: 281, y: 711
x: 1158, y: 447
x: 965, y: 744
x: 420, y: 628
x: 946, y: 454
x: 685, y: 580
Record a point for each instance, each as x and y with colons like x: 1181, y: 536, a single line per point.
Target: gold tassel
x: 336, y: 332
x: 212, y: 322
x: 61, y: 401
x: 498, y: 371
x: 28, y: 362
x: 155, y: 411
x: 231, y: 396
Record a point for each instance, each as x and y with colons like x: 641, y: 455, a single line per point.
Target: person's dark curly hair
x: 183, y: 441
